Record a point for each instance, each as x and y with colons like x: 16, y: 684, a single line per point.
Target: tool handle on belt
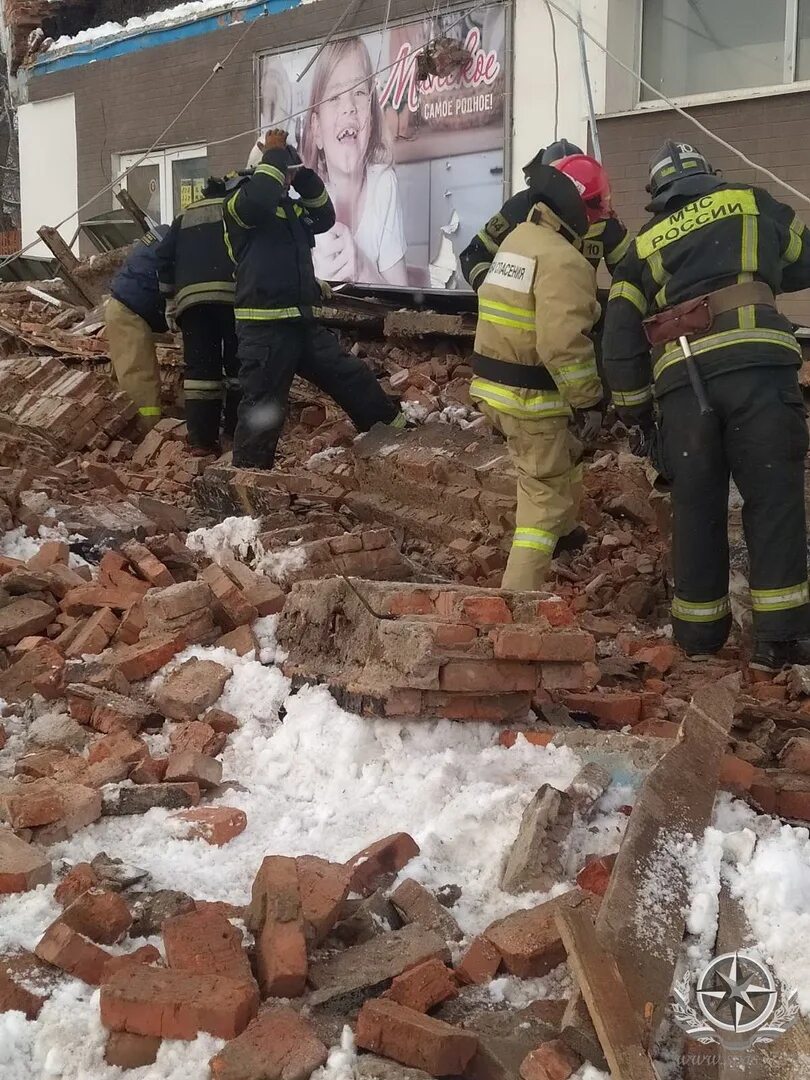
x: 694, y: 377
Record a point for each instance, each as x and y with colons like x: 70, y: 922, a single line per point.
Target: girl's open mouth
x: 347, y: 133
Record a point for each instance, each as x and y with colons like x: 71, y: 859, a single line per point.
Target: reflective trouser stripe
x: 149, y: 410
x: 629, y: 398
x: 478, y: 272
x: 487, y: 241
x: 712, y: 611
x: 267, y: 314
x: 534, y: 539
x: 399, y: 421
x: 203, y: 389
x: 780, y: 599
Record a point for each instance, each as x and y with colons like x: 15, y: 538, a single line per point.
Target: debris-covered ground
x: 289, y: 787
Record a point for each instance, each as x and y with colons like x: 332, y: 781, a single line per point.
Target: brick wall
x: 770, y: 130
x: 123, y: 103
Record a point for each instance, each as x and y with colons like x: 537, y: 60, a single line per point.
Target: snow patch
x: 234, y: 534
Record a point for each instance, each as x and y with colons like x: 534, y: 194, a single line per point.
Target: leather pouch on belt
x: 691, y: 317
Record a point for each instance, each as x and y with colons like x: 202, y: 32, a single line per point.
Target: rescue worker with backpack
x: 196, y: 278
x: 271, y: 237
x: 606, y: 238
x: 694, y: 340
x: 535, y: 368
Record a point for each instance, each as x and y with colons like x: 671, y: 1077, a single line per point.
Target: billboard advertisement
x: 414, y: 166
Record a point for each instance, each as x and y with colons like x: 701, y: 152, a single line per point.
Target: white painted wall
x: 533, y: 77
x: 49, y: 182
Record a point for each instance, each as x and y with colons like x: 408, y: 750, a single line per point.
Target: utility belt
x: 697, y: 316
x: 522, y: 376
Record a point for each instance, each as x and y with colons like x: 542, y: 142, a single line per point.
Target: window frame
x: 788, y: 84
x: 163, y: 159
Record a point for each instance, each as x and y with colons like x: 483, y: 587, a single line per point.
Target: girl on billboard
x: 344, y: 141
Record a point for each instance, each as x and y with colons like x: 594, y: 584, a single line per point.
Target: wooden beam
x: 641, y: 920
x: 133, y: 209
x: 606, y: 996
x: 83, y: 295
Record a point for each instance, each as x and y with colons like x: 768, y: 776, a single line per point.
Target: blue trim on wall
x: 90, y: 52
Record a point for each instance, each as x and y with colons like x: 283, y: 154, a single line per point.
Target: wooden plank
x: 83, y: 294
x: 133, y: 209
x: 641, y: 920
x: 605, y: 994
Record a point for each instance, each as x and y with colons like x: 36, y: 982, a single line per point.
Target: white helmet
x: 255, y: 156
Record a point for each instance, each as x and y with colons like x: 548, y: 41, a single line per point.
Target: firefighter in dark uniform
x: 692, y: 325
x: 606, y: 239
x: 277, y: 295
x: 196, y: 277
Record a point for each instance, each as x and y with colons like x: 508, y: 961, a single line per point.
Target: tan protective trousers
x: 547, y: 459
x: 134, y: 360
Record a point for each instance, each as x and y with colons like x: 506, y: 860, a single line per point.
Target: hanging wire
x: 556, y: 71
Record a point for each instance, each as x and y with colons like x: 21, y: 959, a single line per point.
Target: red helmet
x: 591, y: 182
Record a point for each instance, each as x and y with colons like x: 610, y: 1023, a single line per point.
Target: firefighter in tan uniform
x: 535, y: 368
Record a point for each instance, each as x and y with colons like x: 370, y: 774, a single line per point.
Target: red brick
x: 413, y: 1039
x: 23, y: 618
x: 557, y: 612
x: 595, y: 874
x: 37, y: 671
x: 658, y: 657
x: 111, y: 561
x: 796, y: 755
x: 191, y: 688
x: 410, y: 602
x: 242, y: 641
x: 68, y: 950
x: 22, y: 866
x: 118, y: 745
x: 495, y: 708
x: 553, y: 1060
x: 147, y: 565
x: 531, y: 643
x: 52, y: 551
x: 37, y: 803
x: 144, y: 658
x: 78, y: 880
x: 276, y: 917
x: 658, y: 729
x: 176, y: 1004
x: 95, y: 635
x: 149, y: 771
x: 782, y: 793
x: 3, y: 737
x: 279, y: 1045
x: 453, y: 635
x: 384, y: 857
x: 196, y: 735
x: 536, y: 738
x: 487, y: 676
x: 424, y: 986
x: 528, y: 941
x: 611, y: 710
x: 147, y: 954
x: 131, y: 1051
x: 81, y: 806
x: 230, y: 607
x: 178, y: 601
x: 132, y: 623
x: 216, y: 825
x: 568, y: 676
x: 87, y: 599
x: 323, y: 887
x: 23, y: 982
x: 187, y: 766
x: 480, y: 962
x: 485, y: 610
x: 205, y: 942
x: 102, y: 916
x: 736, y: 775
x: 224, y: 723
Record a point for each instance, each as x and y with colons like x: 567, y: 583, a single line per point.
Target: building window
x: 707, y: 46
x: 166, y: 181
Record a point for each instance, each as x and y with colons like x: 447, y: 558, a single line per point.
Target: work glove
x: 326, y: 289
x: 171, y: 316
x: 275, y: 139
x: 640, y: 441
x: 588, y: 422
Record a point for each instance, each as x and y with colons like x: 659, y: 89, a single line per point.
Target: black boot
x: 774, y: 655
x: 573, y: 541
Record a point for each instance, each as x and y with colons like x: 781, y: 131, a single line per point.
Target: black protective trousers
x: 270, y: 355
x: 757, y: 433
x: 211, y: 375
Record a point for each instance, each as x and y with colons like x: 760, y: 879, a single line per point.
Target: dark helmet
x: 559, y: 149
x: 214, y: 187
x: 559, y: 193
x: 673, y: 162
x: 232, y: 180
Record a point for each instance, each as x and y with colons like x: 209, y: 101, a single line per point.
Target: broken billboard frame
x: 414, y: 174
